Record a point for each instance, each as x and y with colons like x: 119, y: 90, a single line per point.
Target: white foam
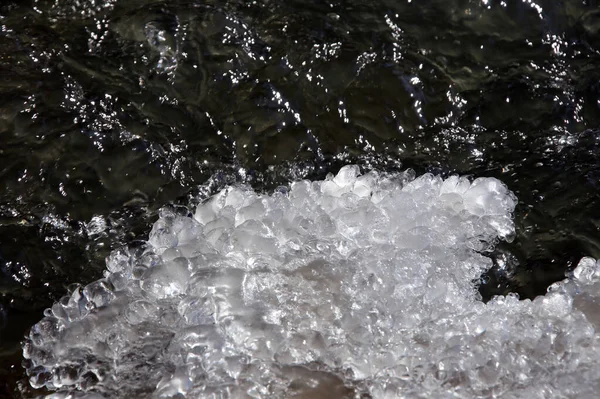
x: 356, y: 285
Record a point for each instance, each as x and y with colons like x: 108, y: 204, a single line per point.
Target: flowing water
x: 113, y: 109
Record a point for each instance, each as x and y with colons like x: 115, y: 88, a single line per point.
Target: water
x: 110, y: 110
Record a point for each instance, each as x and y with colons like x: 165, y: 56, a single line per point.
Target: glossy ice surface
x: 355, y: 285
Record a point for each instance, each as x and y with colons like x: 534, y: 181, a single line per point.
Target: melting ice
x: 356, y: 286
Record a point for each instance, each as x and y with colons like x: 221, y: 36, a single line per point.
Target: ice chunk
x: 139, y: 311
x: 356, y: 286
x: 489, y: 197
x: 347, y: 176
x: 208, y: 211
x: 166, y: 280
x: 455, y: 185
x: 587, y: 271
x: 99, y: 293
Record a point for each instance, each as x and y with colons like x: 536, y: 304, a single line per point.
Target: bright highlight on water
x: 356, y: 285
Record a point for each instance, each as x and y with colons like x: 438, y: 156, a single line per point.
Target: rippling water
x: 112, y: 109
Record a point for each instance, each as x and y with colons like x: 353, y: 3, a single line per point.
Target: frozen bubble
x: 356, y: 286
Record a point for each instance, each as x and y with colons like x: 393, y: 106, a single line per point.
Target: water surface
x: 112, y: 109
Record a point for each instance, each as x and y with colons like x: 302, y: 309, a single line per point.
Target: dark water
x: 111, y: 109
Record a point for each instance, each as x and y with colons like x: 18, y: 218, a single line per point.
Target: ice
x: 588, y: 270
x: 355, y: 286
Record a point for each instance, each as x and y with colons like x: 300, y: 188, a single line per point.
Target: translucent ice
x: 356, y: 286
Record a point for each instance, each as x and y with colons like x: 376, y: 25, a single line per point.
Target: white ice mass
x: 356, y: 286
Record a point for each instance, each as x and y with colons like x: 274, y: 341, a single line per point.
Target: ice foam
x: 356, y: 285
